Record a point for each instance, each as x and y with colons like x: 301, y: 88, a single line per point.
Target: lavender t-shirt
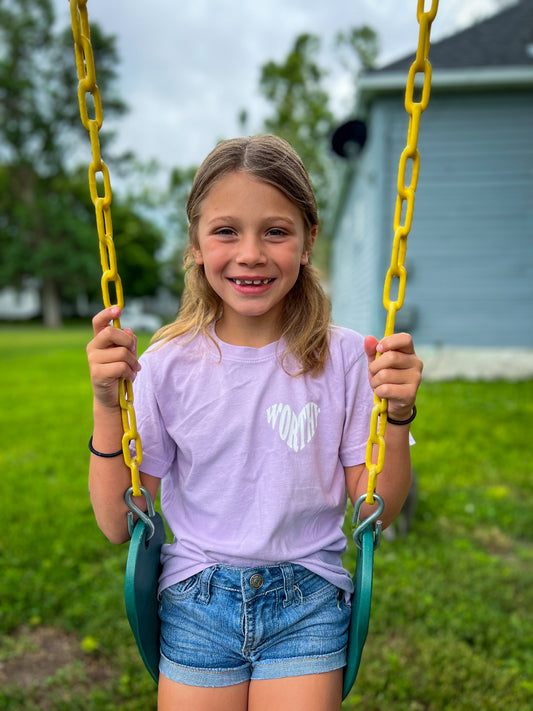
x: 251, y: 458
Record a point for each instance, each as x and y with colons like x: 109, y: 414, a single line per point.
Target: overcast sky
x: 188, y: 68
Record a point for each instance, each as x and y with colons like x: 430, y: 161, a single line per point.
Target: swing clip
x: 359, y: 527
x: 146, y: 517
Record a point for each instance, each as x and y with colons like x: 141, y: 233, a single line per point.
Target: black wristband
x: 101, y: 454
x: 403, y: 422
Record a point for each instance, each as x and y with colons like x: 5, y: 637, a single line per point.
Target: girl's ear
x: 197, y: 254
x: 306, y: 256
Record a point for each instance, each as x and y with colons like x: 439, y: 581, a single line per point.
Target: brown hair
x: 306, y: 313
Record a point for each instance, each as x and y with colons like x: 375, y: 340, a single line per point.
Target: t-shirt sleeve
x: 359, y: 401
x: 158, y: 448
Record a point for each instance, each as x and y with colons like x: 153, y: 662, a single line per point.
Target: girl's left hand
x: 396, y: 374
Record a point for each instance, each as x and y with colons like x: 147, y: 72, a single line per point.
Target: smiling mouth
x: 251, y: 282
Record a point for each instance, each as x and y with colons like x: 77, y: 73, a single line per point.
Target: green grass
x: 452, y: 610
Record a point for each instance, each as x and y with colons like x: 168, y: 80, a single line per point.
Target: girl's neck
x: 252, y: 332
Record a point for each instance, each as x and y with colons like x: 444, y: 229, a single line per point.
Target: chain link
x: 396, y: 273
x: 88, y: 93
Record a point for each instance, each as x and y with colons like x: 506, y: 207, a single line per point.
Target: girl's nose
x: 251, y: 251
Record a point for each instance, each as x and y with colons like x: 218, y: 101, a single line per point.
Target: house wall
x: 470, y: 251
x: 357, y: 281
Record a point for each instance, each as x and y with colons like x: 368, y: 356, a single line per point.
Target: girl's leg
x: 314, y: 692
x: 173, y: 696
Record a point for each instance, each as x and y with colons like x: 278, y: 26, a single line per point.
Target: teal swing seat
x: 142, y: 578
x: 367, y: 540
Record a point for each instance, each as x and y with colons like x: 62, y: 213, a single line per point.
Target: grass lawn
x: 452, y: 611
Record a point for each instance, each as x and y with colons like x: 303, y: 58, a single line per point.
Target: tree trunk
x: 51, y: 304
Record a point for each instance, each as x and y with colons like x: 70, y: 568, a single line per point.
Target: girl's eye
x: 225, y: 232
x: 276, y: 232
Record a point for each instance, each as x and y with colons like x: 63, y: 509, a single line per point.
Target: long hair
x: 306, y: 310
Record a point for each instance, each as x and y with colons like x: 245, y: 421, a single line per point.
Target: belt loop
x: 204, y: 594
x: 288, y: 583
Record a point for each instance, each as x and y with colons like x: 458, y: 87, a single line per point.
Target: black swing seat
x: 142, y: 576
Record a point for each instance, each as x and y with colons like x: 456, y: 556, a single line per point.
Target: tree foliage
x: 175, y: 200
x: 300, y: 104
x: 358, y: 48
x: 297, y: 91
x: 47, y: 223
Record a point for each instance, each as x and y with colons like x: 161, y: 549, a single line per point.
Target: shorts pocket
x: 182, y: 590
x: 311, y: 587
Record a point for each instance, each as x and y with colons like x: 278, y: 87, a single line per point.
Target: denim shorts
x: 228, y: 625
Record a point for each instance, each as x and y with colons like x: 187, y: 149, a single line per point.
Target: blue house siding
x: 357, y: 260
x: 470, y: 251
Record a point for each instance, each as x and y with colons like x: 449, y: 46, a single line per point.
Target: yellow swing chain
x: 406, y: 193
x: 102, y: 205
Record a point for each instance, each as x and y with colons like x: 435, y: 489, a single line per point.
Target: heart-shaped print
x: 296, y: 430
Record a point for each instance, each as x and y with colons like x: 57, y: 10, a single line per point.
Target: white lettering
x: 302, y: 417
x: 295, y: 430
x: 272, y: 414
x: 285, y: 422
x: 292, y: 441
x: 312, y: 420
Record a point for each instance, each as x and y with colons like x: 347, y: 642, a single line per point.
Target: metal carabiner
x: 134, y: 509
x: 359, y: 527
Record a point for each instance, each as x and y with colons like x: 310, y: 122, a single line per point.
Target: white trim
x: 474, y: 78
x: 482, y: 363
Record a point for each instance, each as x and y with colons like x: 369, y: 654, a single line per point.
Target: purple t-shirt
x: 251, y: 458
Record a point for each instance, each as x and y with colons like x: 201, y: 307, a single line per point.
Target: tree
x: 174, y: 208
x: 47, y: 224
x: 296, y: 91
x: 300, y: 104
x: 30, y: 249
x: 358, y: 48
x: 68, y: 255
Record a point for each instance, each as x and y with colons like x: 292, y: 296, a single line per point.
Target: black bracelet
x: 101, y: 454
x: 403, y: 422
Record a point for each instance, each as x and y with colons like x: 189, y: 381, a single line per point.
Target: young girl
x: 254, y: 413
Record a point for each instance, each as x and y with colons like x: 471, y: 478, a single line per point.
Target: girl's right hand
x: 112, y: 355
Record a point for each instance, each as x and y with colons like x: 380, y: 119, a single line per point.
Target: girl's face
x: 251, y: 242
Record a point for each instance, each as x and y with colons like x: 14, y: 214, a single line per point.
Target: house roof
x: 494, y: 53
x: 503, y: 40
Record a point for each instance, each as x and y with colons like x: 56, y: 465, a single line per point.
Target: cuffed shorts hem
x: 279, y: 669
x: 300, y: 667
x: 212, y: 678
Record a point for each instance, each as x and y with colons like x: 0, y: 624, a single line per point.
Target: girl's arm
x: 112, y: 355
x: 395, y: 375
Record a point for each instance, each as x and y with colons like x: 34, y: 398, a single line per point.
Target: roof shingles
x: 503, y: 40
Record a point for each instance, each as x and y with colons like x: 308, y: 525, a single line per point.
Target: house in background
x: 470, y: 251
